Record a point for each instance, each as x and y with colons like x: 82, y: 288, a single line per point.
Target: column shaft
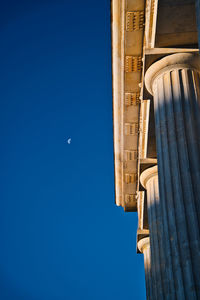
x: 161, y: 271
x: 175, y: 84
x: 144, y: 247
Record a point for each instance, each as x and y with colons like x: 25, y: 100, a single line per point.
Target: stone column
x: 174, y: 82
x: 159, y: 288
x: 144, y: 247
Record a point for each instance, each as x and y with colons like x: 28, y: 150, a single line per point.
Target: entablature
x: 142, y: 32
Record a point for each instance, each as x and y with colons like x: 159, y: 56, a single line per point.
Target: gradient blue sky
x: 61, y: 235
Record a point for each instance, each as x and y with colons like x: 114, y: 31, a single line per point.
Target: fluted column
x: 174, y: 82
x: 144, y: 247
x: 160, y: 269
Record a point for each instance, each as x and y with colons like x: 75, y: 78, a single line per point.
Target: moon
x: 69, y: 141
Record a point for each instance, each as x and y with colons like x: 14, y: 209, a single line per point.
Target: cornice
x: 127, y: 45
x: 118, y: 80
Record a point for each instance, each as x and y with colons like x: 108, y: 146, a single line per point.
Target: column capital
x: 143, y: 244
x: 169, y: 63
x: 147, y: 175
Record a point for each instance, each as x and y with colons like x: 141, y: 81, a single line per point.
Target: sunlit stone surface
x: 156, y: 116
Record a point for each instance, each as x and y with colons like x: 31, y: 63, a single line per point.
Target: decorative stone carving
x: 133, y: 63
x: 130, y: 198
x: 131, y: 128
x: 130, y: 155
x: 132, y: 99
x: 134, y: 20
x: 130, y: 178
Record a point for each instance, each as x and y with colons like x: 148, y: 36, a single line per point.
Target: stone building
x: 156, y: 114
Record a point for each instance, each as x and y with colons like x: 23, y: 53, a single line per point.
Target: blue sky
x: 62, y: 237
